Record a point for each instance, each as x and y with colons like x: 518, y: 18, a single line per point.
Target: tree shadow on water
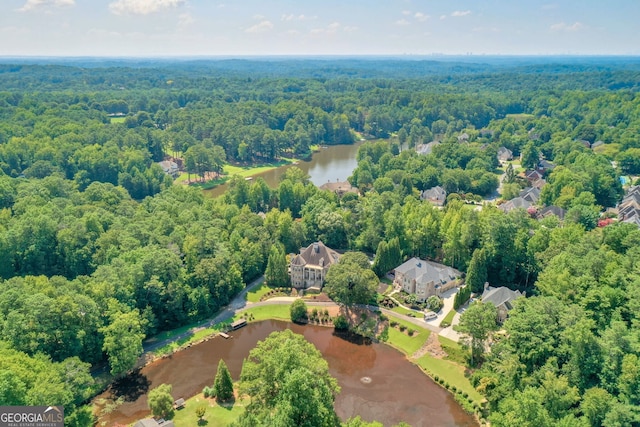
x: 130, y: 387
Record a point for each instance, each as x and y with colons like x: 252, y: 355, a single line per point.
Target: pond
x: 331, y: 163
x: 377, y: 381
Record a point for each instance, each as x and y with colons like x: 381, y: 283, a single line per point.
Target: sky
x: 165, y: 28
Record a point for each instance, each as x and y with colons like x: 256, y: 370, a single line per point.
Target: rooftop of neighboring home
x: 436, y: 195
x: 500, y: 296
x: 339, y: 187
x: 427, y: 271
x: 316, y: 254
x: 517, y: 203
x: 427, y: 148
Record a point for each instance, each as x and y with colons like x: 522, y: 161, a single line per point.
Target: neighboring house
x: 552, y: 210
x: 150, y: 422
x: 309, y: 268
x: 436, y: 195
x: 463, y: 137
x: 170, y: 167
x: 545, y: 165
x: 532, y: 176
x: 425, y: 278
x: 504, y: 154
x: 340, y: 188
x: 629, y: 207
x: 486, y: 133
x: 517, y: 203
x: 596, y: 144
x: 539, y: 183
x: 502, y: 298
x: 530, y: 194
x: 585, y: 143
x: 427, y: 148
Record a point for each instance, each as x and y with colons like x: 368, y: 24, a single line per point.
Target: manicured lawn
x: 117, y: 119
x: 520, y: 116
x: 451, y: 372
x: 447, y: 319
x: 277, y: 311
x: 246, y: 171
x: 255, y: 294
x: 403, y: 342
x: 405, y: 311
x: 215, y: 415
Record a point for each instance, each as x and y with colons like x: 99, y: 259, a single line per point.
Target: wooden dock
x: 223, y: 335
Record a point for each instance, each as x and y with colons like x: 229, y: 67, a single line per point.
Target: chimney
x: 486, y: 285
x: 316, y: 248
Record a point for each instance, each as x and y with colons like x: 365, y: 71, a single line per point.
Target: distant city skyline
x: 152, y: 28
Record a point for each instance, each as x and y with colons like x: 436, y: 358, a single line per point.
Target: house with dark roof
x: 504, y: 154
x: 517, y: 203
x: 545, y: 165
x: 425, y: 278
x: 533, y: 176
x: 502, y: 298
x: 530, y: 194
x: 629, y: 207
x: 551, y: 211
x: 436, y: 195
x: 309, y: 268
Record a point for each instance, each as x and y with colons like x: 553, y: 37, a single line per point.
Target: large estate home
x: 425, y: 278
x: 309, y: 268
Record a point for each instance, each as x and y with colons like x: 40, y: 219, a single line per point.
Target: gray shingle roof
x: 499, y: 296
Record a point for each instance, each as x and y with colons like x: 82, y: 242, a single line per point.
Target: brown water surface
x: 377, y: 381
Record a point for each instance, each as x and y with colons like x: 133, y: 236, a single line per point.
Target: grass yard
x: 451, y: 372
x: 403, y: 342
x: 406, y: 311
x: 520, y: 116
x: 255, y: 294
x: 278, y: 311
x: 448, y: 319
x: 197, y: 336
x: 117, y: 119
x: 247, y: 171
x: 215, y: 415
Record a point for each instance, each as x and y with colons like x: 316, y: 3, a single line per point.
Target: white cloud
x: 185, y: 19
x: 349, y: 29
x: 402, y: 22
x: 406, y: 12
x: 330, y: 29
x: 443, y: 17
x: 142, y: 7
x: 461, y: 13
x: 35, y: 4
x: 421, y: 16
x: 261, y: 27
x: 293, y: 17
x: 561, y: 26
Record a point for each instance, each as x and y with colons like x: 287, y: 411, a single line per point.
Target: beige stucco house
x: 425, y: 278
x: 309, y: 268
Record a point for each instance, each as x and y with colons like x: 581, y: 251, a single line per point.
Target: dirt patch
x: 432, y: 347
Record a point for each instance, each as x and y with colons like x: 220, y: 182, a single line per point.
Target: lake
x: 377, y: 381
x: 332, y: 163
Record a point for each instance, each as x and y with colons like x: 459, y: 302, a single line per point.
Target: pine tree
x: 276, y: 272
x: 223, y: 384
x: 380, y: 263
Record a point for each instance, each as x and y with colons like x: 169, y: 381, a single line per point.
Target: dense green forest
x: 99, y: 249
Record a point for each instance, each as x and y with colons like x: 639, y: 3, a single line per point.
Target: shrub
x: 298, y: 311
x: 340, y: 323
x: 208, y: 392
x: 402, y: 328
x: 393, y: 323
x: 383, y: 317
x: 411, y: 332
